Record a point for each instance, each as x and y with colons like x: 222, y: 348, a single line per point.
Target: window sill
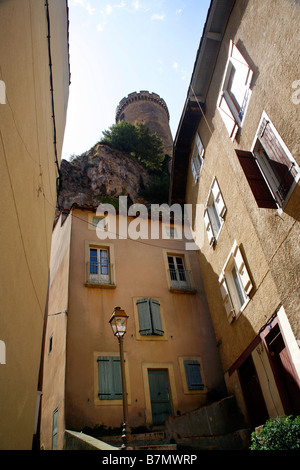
x: 178, y: 290
x: 100, y: 286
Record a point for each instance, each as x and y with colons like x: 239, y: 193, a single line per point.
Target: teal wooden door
x: 159, y: 395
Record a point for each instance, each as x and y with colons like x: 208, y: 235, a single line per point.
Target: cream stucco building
x: 236, y: 154
x: 171, y: 357
x: 33, y: 105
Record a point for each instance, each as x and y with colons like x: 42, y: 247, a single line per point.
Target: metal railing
x: 181, y: 279
x: 99, y: 273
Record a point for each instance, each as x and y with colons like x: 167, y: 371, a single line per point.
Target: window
x: 50, y: 344
x: 197, y: 158
x: 179, y: 276
x: 235, y: 283
x: 270, y: 169
x: 193, y: 375
x: 54, y: 429
x: 235, y: 91
x: 149, y: 317
x: 99, y: 265
x: 214, y: 213
x: 110, y: 379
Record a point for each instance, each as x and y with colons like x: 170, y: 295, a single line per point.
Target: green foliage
x: 281, y: 433
x: 138, y: 141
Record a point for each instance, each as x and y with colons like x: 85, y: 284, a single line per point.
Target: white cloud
x: 108, y: 9
x: 178, y: 11
x: 100, y: 27
x: 175, y: 65
x: 90, y: 9
x: 157, y: 17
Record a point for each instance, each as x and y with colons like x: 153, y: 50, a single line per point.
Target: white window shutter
x: 228, y: 117
x: 243, y: 272
x: 221, y: 208
x: 208, y: 228
x: 226, y: 298
x: 241, y: 64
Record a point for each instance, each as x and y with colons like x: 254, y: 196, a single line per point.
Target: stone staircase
x: 155, y: 440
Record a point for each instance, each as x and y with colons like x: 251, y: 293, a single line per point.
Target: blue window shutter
x: 105, y: 378
x: 193, y: 375
x: 116, y: 378
x: 156, y: 317
x: 144, y: 316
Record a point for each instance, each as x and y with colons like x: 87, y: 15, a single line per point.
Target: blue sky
x: 121, y: 46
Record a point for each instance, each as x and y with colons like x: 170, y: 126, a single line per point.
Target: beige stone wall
x: 28, y: 198
x: 266, y: 34
x: 54, y: 361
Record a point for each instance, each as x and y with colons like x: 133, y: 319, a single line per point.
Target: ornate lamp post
x: 118, y: 323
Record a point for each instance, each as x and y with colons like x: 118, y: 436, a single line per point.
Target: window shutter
x: 226, y: 298
x: 105, y: 378
x: 241, y: 64
x: 110, y: 380
x: 116, y: 377
x: 156, y: 317
x: 193, y: 375
x: 144, y: 316
x: 277, y: 155
x: 241, y: 267
x: 208, y: 228
x: 228, y: 117
x: 221, y: 208
x: 256, y: 181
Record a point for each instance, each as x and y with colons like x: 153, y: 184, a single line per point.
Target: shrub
x: 281, y: 433
x: 137, y: 140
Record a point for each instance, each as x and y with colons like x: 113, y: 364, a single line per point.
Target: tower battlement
x: 149, y: 109
x: 140, y: 96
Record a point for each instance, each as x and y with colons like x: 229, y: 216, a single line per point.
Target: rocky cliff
x: 101, y: 175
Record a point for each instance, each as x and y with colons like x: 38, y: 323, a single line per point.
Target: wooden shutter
x: 226, y: 298
x: 116, y: 378
x: 256, y: 181
x: 219, y: 201
x: 144, y: 317
x: 110, y: 380
x: 193, y: 375
x: 239, y: 62
x: 279, y: 160
x: 243, y: 272
x: 208, y: 228
x: 228, y: 117
x: 156, y: 317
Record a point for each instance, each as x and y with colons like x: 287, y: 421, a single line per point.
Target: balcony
x: 100, y: 275
x: 181, y: 281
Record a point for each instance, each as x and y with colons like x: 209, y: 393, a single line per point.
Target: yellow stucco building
x: 33, y: 104
x: 236, y: 154
x: 171, y: 358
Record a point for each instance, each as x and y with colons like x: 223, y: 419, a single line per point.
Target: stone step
x: 147, y: 441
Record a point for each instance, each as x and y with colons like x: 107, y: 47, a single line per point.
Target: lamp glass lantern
x: 118, y: 322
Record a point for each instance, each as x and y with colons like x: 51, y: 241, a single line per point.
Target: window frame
x: 268, y: 172
x: 214, y: 218
x: 55, y: 417
x: 105, y: 282
x: 187, y: 389
x: 230, y: 286
x: 149, y: 337
x: 182, y: 288
x: 110, y: 402
x: 197, y: 158
x: 233, y: 117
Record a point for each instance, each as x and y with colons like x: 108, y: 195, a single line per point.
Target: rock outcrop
x: 100, y: 175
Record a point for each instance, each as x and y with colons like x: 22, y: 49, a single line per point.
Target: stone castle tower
x: 150, y: 109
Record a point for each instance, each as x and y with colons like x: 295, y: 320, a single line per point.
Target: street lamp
x: 118, y: 323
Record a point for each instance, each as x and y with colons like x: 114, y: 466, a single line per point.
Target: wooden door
x: 159, y: 395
